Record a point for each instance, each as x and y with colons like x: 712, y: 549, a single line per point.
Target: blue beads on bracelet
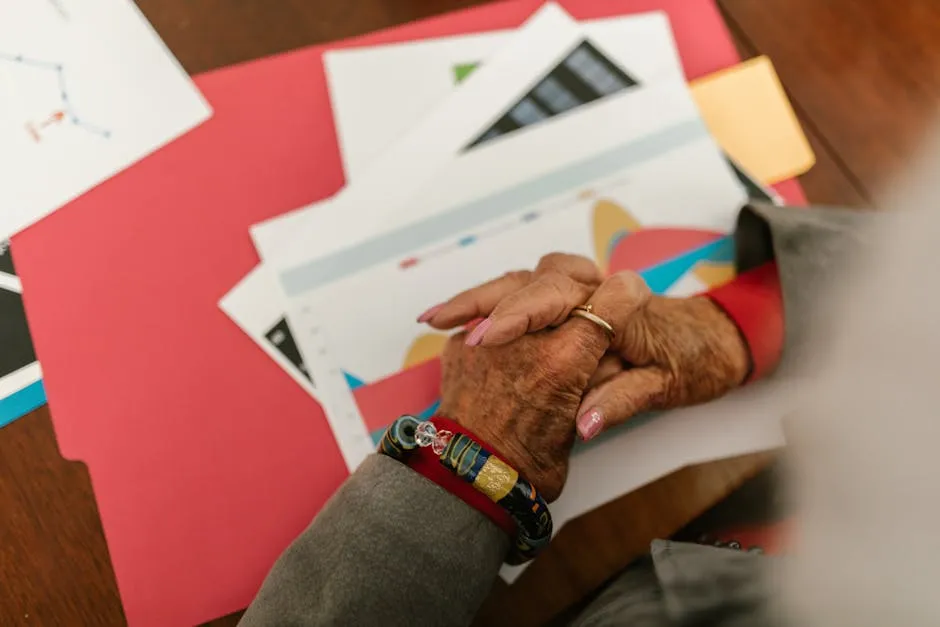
x: 502, y: 484
x: 399, y: 439
x: 489, y: 475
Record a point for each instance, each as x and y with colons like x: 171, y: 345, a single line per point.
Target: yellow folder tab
x: 747, y: 111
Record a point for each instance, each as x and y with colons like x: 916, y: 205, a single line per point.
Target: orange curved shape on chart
x: 424, y: 347
x: 621, y: 243
x: 611, y: 222
x: 714, y: 274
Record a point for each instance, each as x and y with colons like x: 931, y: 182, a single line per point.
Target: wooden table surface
x: 864, y: 79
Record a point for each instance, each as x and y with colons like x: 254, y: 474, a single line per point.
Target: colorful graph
x: 61, y: 112
x: 662, y: 256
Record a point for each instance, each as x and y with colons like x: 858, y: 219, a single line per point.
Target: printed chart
x: 86, y: 89
x: 48, y: 80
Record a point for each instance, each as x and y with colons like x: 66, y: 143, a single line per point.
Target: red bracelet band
x: 426, y: 463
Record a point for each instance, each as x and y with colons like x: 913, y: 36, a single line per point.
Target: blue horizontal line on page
x: 405, y: 240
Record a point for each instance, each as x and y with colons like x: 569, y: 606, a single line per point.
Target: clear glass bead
x: 441, y: 441
x: 426, y: 434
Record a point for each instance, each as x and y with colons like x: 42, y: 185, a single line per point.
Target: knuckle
x: 518, y: 277
x: 554, y: 260
x: 565, y: 354
x: 628, y: 282
x: 576, y: 267
x: 511, y: 305
x: 568, y: 366
x: 621, y: 295
x: 565, y: 289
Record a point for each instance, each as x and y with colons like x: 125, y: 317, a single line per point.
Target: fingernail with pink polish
x: 430, y: 313
x: 590, y: 423
x: 476, y: 336
x: 470, y: 326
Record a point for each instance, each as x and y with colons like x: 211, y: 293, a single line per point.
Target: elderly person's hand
x: 522, y: 397
x: 666, y: 352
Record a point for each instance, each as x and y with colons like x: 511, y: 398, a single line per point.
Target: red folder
x: 206, y: 460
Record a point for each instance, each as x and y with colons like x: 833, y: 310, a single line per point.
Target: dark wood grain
x: 54, y: 565
x: 208, y: 34
x: 829, y: 182
x: 864, y: 80
x: 864, y: 75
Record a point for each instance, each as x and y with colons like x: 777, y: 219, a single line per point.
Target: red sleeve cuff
x: 754, y: 303
x: 426, y: 463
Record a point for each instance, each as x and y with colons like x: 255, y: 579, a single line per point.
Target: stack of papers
x: 467, y: 157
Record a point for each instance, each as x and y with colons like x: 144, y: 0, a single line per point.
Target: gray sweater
x: 392, y: 548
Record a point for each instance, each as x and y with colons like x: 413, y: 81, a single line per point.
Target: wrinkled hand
x: 667, y: 352
x: 523, y: 397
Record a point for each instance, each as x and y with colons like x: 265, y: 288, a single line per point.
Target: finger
x: 545, y: 302
x: 622, y: 397
x: 480, y: 301
x: 618, y: 301
x: 610, y: 366
x: 581, y: 269
x: 477, y: 302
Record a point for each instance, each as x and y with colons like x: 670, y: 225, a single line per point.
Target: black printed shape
x: 755, y: 191
x: 584, y: 76
x: 6, y: 258
x: 282, y: 339
x: 16, y: 346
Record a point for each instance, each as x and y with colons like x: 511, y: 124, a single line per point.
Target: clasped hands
x: 529, y: 376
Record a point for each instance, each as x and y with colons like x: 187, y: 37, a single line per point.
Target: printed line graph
x: 63, y: 112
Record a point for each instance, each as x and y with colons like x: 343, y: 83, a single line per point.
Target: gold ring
x: 587, y: 312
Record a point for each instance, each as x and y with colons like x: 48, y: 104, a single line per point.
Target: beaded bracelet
x: 502, y: 484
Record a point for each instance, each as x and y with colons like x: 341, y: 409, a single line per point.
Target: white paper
x: 86, y: 89
x: 403, y: 168
x: 368, y: 121
x: 256, y: 305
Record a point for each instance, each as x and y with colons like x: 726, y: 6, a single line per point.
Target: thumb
x: 620, y: 398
